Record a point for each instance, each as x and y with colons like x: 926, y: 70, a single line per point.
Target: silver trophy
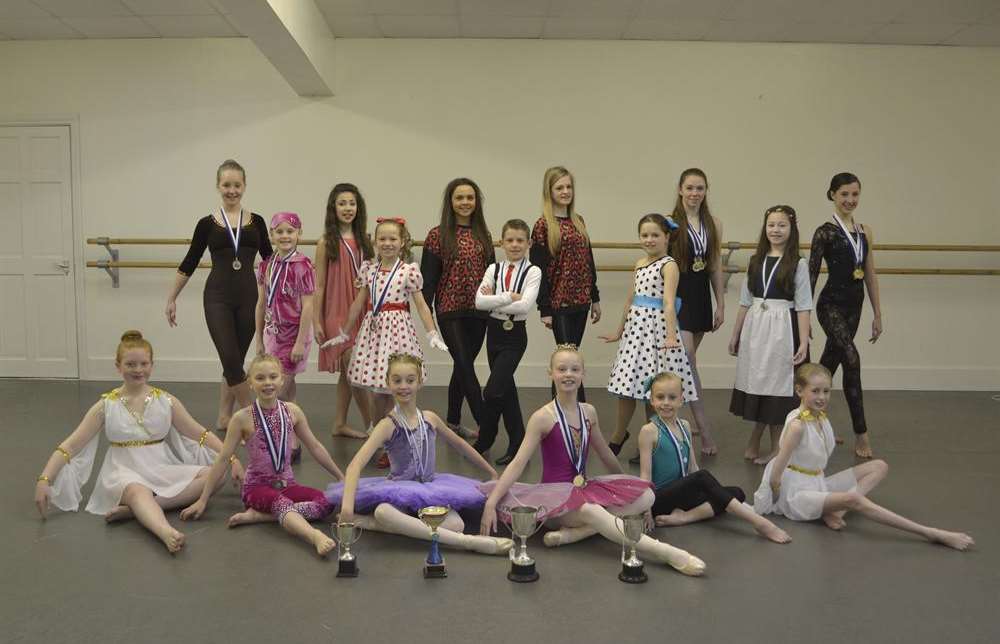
x: 523, y: 524
x: 632, y: 527
x: 346, y: 535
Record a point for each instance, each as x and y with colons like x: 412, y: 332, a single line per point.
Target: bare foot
x: 173, y: 540
x: 751, y: 453
x: 834, y: 521
x: 120, y: 513
x: 956, y: 540
x: 862, y: 446
x: 764, y: 460
x: 708, y: 447
x: 323, y: 543
x: 770, y: 531
x: 675, y: 518
x: 249, y: 516
x: 838, y: 440
x: 346, y: 431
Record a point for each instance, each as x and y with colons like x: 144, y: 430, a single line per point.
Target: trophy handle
x: 355, y: 536
x: 505, y: 509
x: 541, y: 510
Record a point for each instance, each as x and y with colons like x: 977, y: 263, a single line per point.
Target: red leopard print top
x: 569, y: 280
x: 450, y: 283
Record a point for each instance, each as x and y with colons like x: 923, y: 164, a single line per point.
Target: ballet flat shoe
x: 693, y: 567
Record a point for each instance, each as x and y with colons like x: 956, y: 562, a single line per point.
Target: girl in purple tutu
x: 390, y: 504
x: 576, y: 506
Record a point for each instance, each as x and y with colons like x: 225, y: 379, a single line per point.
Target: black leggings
x: 568, y: 328
x: 689, y: 492
x: 504, y: 350
x: 464, y: 337
x: 840, y: 323
x: 231, y: 323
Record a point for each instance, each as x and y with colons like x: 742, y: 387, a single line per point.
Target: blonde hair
x: 666, y: 376
x: 566, y: 348
x: 405, y: 251
x: 408, y: 359
x: 553, y: 237
x: 229, y: 164
x: 261, y: 359
x: 133, y: 339
x: 805, y: 372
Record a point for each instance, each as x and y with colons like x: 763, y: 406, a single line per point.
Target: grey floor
x: 74, y: 579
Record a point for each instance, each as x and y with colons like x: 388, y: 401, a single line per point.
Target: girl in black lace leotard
x: 230, y: 296
x: 847, y: 249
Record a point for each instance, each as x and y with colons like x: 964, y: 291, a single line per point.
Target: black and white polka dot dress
x: 639, y: 354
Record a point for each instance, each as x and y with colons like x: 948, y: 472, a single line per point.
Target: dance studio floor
x: 74, y: 579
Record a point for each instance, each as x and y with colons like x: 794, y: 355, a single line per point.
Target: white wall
x: 769, y: 123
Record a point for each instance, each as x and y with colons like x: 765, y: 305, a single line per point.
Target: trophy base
x: 633, y: 574
x: 347, y: 568
x: 522, y: 574
x: 435, y: 571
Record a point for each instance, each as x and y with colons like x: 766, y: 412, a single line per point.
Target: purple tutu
x: 450, y: 490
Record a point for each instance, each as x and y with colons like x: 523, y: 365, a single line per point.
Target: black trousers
x: 840, y: 323
x: 692, y: 490
x: 464, y: 337
x: 568, y: 328
x: 504, y: 350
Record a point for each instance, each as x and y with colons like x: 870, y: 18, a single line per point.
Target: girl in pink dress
x: 339, y: 254
x: 388, y: 283
x: 270, y: 491
x: 285, y: 286
x: 577, y: 506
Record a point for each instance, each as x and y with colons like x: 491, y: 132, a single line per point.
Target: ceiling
x: 904, y: 22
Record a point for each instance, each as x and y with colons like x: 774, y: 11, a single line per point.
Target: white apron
x: 767, y: 346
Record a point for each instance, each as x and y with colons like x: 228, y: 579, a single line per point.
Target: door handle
x: 63, y: 266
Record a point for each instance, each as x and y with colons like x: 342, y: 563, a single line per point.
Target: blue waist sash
x: 647, y: 302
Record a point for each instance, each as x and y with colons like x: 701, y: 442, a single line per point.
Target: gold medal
x: 698, y: 265
x: 859, y: 273
x: 358, y: 283
x: 579, y: 481
x: 508, y: 325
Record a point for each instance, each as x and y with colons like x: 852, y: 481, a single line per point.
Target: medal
x: 578, y: 459
x: 234, y: 237
x: 508, y: 325
x: 278, y: 272
x: 766, y: 283
x: 377, y: 302
x: 857, y: 246
x: 355, y: 263
x: 699, y: 241
x: 276, y: 451
x: 681, y: 459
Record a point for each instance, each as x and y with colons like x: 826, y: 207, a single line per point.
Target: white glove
x: 334, y: 341
x: 435, y: 341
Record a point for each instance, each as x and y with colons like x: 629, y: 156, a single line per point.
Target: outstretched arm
x: 309, y: 440
x: 239, y: 426
x: 92, y: 423
x: 598, y: 442
x: 184, y: 423
x: 871, y: 284
x: 462, y: 447
x: 718, y: 279
x: 533, y: 435
x: 381, y: 433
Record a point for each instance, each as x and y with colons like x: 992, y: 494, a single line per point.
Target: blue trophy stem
x: 434, y: 557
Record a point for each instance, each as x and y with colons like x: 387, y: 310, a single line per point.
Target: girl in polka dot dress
x: 388, y: 283
x: 648, y: 332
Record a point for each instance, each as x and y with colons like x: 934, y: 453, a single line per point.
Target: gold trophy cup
x: 434, y: 516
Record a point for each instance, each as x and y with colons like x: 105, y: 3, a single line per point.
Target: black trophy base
x: 435, y: 571
x: 633, y: 574
x: 522, y: 574
x: 347, y: 568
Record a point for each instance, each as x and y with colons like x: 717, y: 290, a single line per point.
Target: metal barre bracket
x: 106, y: 264
x: 726, y: 256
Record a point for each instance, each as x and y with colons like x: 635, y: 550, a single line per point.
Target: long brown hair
x: 331, y: 234
x: 480, y: 231
x: 789, y: 261
x: 553, y: 237
x: 680, y: 245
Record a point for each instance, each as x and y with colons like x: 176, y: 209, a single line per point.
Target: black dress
x: 694, y: 288
x: 838, y: 310
x: 230, y: 296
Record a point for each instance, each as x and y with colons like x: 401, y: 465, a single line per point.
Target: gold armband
x: 42, y: 477
x: 203, y: 438
x: 64, y: 453
x: 232, y: 459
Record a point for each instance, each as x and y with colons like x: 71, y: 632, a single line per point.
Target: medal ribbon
x: 767, y: 283
x: 419, y: 448
x: 377, y: 303
x: 278, y: 267
x: 856, y: 246
x: 277, y: 452
x: 681, y: 460
x: 577, y: 459
x: 699, y: 240
x: 233, y: 237
x: 355, y: 263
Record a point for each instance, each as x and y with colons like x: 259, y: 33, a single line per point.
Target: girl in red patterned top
x: 454, y: 258
x: 560, y: 247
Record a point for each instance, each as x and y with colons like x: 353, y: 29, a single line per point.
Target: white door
x: 37, y: 296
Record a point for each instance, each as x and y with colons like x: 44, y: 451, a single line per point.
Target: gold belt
x: 802, y: 470
x: 136, y: 443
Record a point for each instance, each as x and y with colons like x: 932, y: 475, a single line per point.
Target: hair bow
x: 395, y: 220
x: 647, y: 384
x: 671, y: 224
